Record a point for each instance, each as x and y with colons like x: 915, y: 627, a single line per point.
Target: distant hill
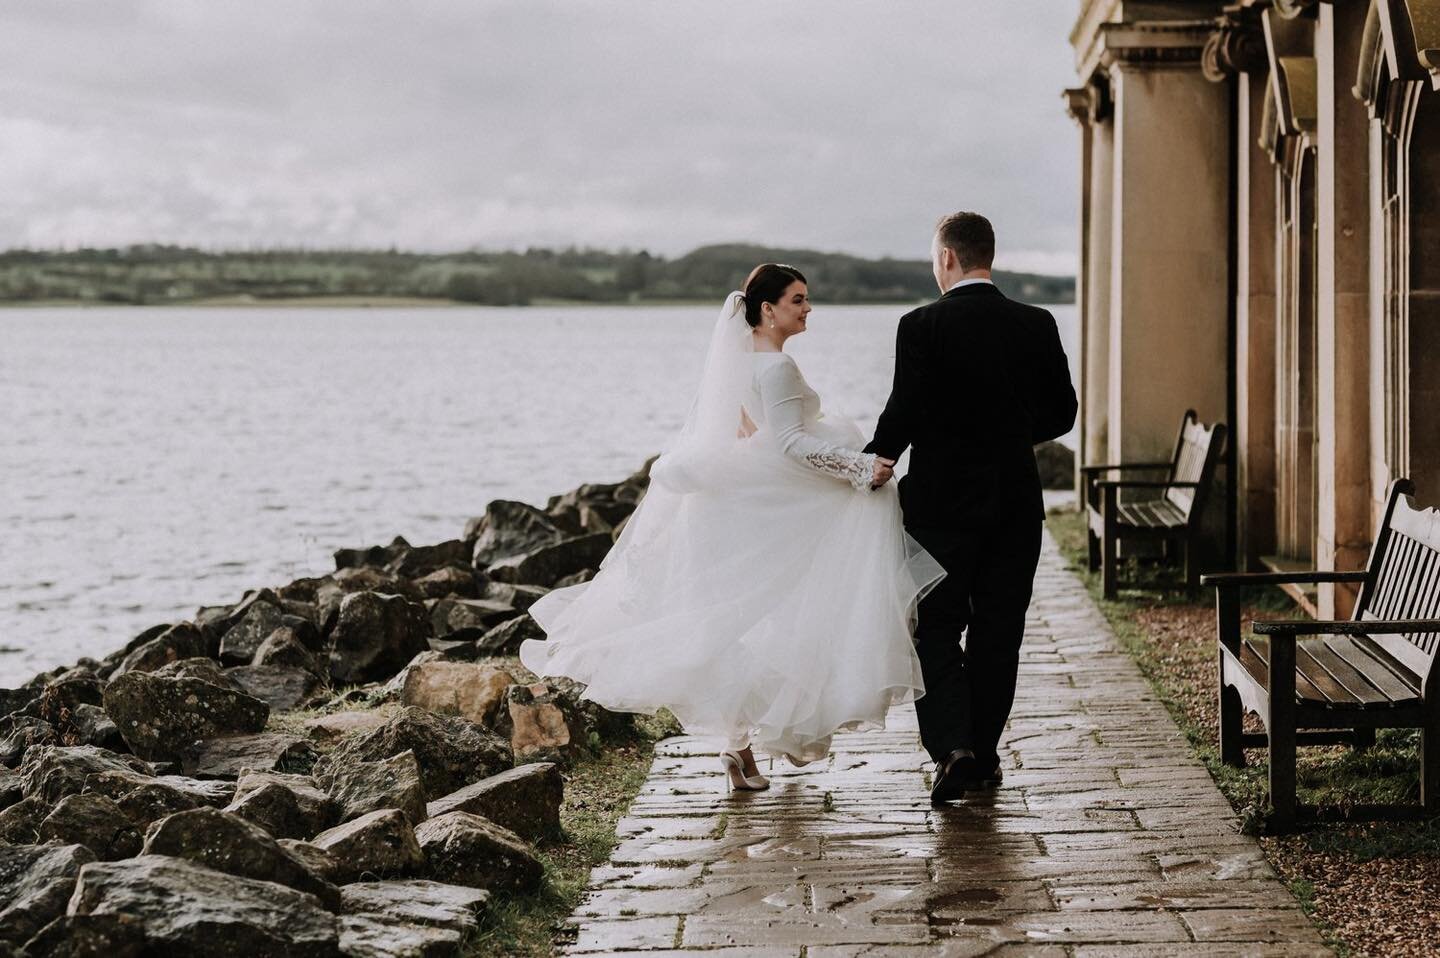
x: 143, y: 275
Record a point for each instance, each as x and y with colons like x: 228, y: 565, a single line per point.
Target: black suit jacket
x: 979, y: 380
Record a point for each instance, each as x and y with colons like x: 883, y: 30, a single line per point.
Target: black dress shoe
x: 993, y: 778
x: 952, y: 775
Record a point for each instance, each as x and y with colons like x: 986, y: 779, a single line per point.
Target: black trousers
x: 969, y: 690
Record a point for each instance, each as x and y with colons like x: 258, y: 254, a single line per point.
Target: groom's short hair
x: 970, y: 236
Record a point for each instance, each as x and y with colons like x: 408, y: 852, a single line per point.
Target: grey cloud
x: 657, y: 123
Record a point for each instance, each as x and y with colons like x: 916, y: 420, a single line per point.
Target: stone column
x: 1342, y: 327
x: 1169, y: 250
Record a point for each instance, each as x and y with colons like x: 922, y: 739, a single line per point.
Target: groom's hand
x: 884, y: 472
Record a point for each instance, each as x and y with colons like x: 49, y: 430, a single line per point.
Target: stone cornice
x: 1154, y: 42
x: 1089, y: 104
x: 1237, y: 45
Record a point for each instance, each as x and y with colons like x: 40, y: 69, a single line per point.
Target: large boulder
x: 526, y: 799
x: 95, y: 822
x: 375, y: 635
x: 182, y: 641
x: 315, y: 858
x: 509, y: 529
x: 286, y: 806
x: 474, y: 692
x: 118, y: 783
x: 52, y: 772
x: 544, y: 725
x: 90, y: 936
x: 92, y: 725
x: 189, y: 909
x: 162, y: 718
x: 204, y: 669
x: 20, y: 823
x: 410, y: 919
x: 266, y: 752
x: 35, y: 883
x: 365, y: 936
x: 545, y: 565
x: 287, y: 646
x: 518, y: 597
x: 359, y: 787
x: 15, y: 700
x: 452, y: 751
x: 283, y: 687
x: 418, y: 561
x: 60, y: 698
x: 153, y: 801
x: 379, y: 845
x: 240, y: 642
x: 505, y: 638
x: 467, y: 618
x: 465, y: 849
x: 230, y: 844
x: 338, y: 725
x: 11, y: 790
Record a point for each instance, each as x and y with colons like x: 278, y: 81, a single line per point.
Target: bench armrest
x: 1286, y: 628
x: 1087, y: 470
x: 1231, y: 579
x: 1144, y: 484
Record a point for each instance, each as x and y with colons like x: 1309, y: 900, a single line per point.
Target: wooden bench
x: 1171, y: 517
x: 1347, y: 678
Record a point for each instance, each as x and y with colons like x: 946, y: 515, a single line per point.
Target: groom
x: 979, y: 380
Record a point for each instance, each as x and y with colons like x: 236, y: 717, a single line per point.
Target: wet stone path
x: 1107, y: 838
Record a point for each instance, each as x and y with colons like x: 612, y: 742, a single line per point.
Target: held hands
x: 884, y: 472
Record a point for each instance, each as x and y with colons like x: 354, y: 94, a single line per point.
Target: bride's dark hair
x: 767, y: 283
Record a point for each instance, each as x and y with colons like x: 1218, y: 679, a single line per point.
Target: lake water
x: 156, y: 460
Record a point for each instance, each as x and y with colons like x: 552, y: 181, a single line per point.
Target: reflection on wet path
x: 1107, y: 838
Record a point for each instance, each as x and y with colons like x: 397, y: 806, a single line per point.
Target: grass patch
x: 598, y: 792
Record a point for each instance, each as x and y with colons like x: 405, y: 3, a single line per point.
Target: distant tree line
x: 145, y: 275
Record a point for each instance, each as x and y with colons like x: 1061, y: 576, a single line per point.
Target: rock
x: 375, y: 636
x: 478, y: 615
x: 206, y: 670
x: 417, y: 561
x: 241, y: 640
x: 511, y: 529
x: 95, y: 822
x: 548, y: 563
x: 153, y: 801
x: 416, y: 902
x: 452, y: 751
x: 11, y: 791
x: 117, y: 784
x: 188, y: 909
x: 542, y: 727
x: 364, y: 936
x: 182, y: 641
x: 15, y: 700
x: 449, y: 581
x: 89, y: 936
x: 518, y: 597
x: 146, y: 636
x: 283, y: 687
x: 91, y: 725
x: 20, y: 823
x: 380, y: 844
x: 371, y: 556
x: 454, y: 651
x: 52, y: 771
x: 466, y: 849
x: 35, y: 883
x: 393, y: 688
x: 371, y: 580
x: 315, y: 858
x: 328, y: 728
x: 1056, y: 462
x: 526, y: 800
x: 286, y: 806
x: 161, y: 717
x: 363, y: 787
x: 474, y: 692
x: 284, y: 646
x: 303, y: 589
x: 505, y: 638
x: 267, y: 752
x: 61, y: 697
x: 229, y: 843
x: 306, y: 630
x: 19, y: 733
x: 584, y: 575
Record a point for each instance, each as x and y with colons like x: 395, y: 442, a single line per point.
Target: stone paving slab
x: 1107, y: 840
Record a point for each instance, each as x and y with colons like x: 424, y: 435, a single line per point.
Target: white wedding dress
x: 761, y: 592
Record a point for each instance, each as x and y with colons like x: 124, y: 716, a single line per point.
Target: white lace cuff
x: 858, y: 469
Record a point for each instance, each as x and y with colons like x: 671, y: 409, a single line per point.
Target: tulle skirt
x: 761, y: 603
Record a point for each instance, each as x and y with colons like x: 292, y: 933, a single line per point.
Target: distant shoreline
x: 374, y: 302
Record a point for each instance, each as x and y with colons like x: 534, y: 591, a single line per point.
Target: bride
x: 764, y: 589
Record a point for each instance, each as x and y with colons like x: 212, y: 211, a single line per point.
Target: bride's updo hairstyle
x: 766, y: 284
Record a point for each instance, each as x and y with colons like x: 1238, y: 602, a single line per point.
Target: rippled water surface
x: 154, y: 460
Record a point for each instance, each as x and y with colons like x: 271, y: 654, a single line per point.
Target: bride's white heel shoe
x: 735, y: 777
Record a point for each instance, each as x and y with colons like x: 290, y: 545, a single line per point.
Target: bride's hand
x: 884, y: 472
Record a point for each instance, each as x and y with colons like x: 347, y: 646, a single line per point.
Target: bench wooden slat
x: 1381, y: 667
x: 1255, y: 657
x: 1356, y: 682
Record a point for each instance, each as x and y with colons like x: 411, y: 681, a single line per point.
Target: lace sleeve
x: 783, y: 393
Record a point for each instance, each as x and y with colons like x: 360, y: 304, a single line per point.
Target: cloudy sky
x: 445, y: 124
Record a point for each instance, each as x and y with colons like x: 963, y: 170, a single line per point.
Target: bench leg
x: 1364, y: 738
x: 1109, y: 575
x: 1280, y: 723
x: 1232, y: 725
x: 1192, y: 568
x: 1093, y: 553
